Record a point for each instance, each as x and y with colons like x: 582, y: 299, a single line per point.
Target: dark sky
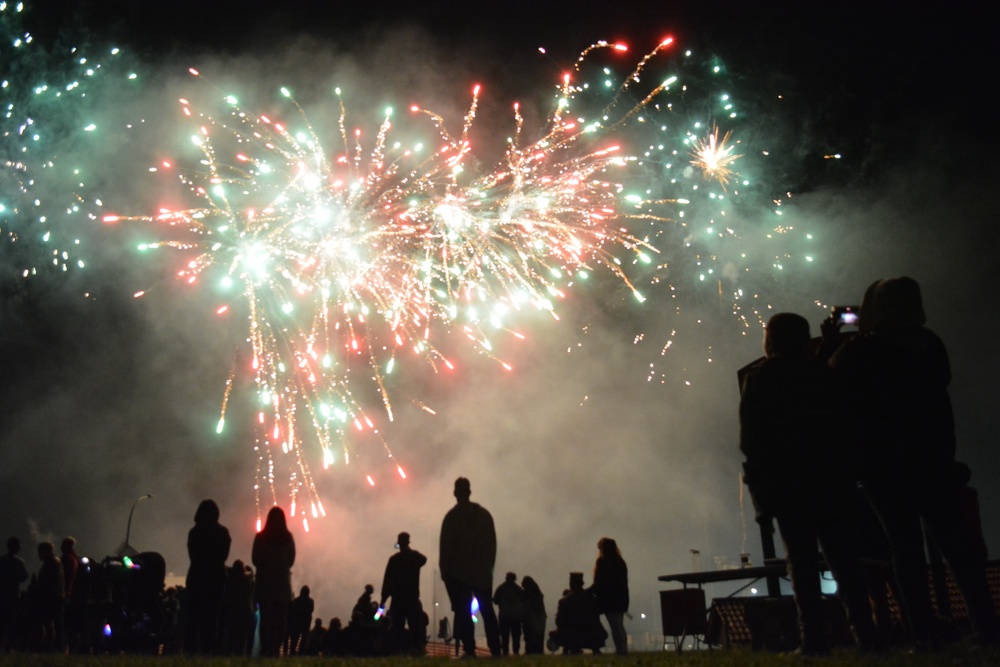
x: 106, y: 398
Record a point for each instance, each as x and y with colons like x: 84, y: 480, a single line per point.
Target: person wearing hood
x: 894, y: 376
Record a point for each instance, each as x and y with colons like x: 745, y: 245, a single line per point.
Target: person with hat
x: 468, y: 551
x: 402, y: 583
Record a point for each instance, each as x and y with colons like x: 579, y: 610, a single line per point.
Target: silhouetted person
x: 895, y: 375
x: 49, y: 594
x: 13, y: 573
x: 238, y: 609
x: 313, y: 643
x: 444, y: 630
x: 300, y: 613
x: 798, y: 475
x: 468, y: 553
x: 534, y: 617
x: 208, y: 549
x: 402, y: 583
x: 273, y: 555
x: 509, y: 599
x: 578, y: 621
x: 333, y: 640
x: 357, y: 636
x: 75, y: 613
x: 363, y: 606
x: 610, y: 587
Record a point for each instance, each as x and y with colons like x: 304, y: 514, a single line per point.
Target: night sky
x: 105, y: 398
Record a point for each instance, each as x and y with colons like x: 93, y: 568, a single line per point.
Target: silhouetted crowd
x: 121, y: 604
x: 850, y: 449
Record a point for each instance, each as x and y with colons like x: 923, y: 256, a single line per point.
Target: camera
x: 845, y: 314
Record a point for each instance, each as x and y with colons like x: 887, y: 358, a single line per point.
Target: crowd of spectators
x: 71, y: 604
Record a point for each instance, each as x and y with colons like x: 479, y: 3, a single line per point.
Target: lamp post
x: 126, y: 549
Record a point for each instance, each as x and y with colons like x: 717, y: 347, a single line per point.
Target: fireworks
x: 714, y: 157
x: 46, y: 144
x: 351, y: 262
x: 726, y: 245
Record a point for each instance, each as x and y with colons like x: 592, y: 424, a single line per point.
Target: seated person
x: 578, y: 622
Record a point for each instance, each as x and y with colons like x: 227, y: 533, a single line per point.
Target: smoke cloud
x: 618, y: 420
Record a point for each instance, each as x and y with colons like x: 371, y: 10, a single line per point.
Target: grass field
x: 958, y: 656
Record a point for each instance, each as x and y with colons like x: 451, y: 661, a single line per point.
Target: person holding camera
x: 797, y: 476
x: 895, y: 375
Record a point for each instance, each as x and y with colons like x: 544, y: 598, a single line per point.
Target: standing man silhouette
x: 402, y: 583
x: 509, y: 598
x: 468, y: 552
x: 799, y: 474
x: 13, y: 573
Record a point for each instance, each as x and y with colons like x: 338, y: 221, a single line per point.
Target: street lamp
x: 126, y: 549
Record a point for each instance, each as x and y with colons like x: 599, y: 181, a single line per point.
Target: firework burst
x: 714, y: 157
x: 353, y: 261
